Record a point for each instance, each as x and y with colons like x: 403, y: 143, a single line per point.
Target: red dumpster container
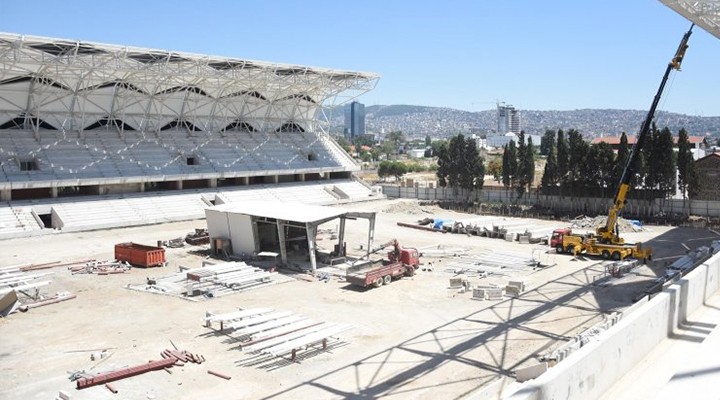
x: 140, y: 255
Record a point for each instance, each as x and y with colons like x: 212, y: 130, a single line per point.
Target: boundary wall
x: 571, y: 205
x: 592, y: 370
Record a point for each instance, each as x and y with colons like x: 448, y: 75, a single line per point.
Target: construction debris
x: 59, y: 297
x: 14, y: 282
x: 54, y: 264
x: 101, y: 267
x: 198, y: 237
x: 623, y: 224
x: 226, y: 377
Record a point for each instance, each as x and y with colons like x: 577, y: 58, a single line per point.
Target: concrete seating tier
x: 107, y: 154
x: 17, y: 221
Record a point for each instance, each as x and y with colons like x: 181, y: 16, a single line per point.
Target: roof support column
x: 281, y: 237
x: 371, y: 234
x: 341, y: 238
x: 311, y: 230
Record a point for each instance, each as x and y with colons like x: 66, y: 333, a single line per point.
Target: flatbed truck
x: 400, y: 262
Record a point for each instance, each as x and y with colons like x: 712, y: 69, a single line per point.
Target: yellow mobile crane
x: 606, y: 241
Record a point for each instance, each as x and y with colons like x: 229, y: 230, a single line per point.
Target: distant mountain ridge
x: 444, y: 122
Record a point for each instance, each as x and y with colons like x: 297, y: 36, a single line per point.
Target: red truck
x: 400, y: 262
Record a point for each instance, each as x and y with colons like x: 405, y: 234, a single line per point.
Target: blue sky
x: 536, y: 55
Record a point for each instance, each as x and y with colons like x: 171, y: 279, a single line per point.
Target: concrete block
x: 512, y: 291
x: 64, y: 396
x: 531, y: 372
x: 524, y: 239
x: 518, y: 284
x: 455, y: 282
x: 494, y: 294
x: 478, y: 294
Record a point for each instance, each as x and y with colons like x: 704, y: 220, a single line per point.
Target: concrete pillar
x: 301, y: 177
x: 281, y: 237
x: 274, y: 179
x: 371, y: 235
x: 141, y: 189
x: 179, y: 185
x: 212, y: 182
x: 341, y: 237
x: 5, y: 195
x: 54, y: 192
x: 311, y: 229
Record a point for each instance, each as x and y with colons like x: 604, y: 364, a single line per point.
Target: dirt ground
x: 412, y: 339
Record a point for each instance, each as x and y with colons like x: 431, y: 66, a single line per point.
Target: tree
x: 529, y: 164
x: 436, y: 146
x: 428, y: 141
x: 578, y: 150
x: 396, y: 138
x: 494, y: 168
x: 621, y: 159
x: 603, y: 174
x: 549, y: 178
x: 563, y: 157
x: 388, y: 148
x: 392, y: 168
x: 443, y: 163
x: 685, y: 163
x: 547, y: 142
x: 460, y: 164
x: 665, y: 162
x: 520, y: 181
x: 509, y: 164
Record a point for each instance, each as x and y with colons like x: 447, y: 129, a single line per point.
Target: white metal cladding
x: 71, y: 85
x: 705, y: 14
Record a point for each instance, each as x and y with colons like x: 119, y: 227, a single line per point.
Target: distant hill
x: 444, y: 122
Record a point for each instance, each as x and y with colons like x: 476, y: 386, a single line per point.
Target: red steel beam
x: 83, y: 383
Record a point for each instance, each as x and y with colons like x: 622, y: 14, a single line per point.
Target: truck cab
x: 557, y: 237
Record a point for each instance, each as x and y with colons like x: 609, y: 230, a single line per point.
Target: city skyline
x: 548, y: 56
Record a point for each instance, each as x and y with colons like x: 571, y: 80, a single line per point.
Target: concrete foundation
x: 594, y: 368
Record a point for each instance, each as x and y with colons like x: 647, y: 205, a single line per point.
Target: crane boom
x: 608, y: 233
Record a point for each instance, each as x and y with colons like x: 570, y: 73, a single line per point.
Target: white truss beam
x: 704, y: 13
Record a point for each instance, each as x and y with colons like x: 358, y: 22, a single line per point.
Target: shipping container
x: 140, y: 255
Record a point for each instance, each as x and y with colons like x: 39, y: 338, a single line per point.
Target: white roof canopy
x: 705, y: 13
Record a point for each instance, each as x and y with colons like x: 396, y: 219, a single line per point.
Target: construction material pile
x: 169, y: 358
x: 268, y: 334
x: 409, y: 207
x: 624, y: 225
x: 198, y: 237
x: 20, y: 291
x: 211, y: 280
x: 107, y: 267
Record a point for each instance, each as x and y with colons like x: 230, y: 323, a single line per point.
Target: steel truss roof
x: 72, y: 86
x: 705, y: 14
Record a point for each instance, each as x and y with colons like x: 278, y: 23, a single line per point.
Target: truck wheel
x: 616, y: 255
x: 606, y: 254
x: 378, y: 282
x: 387, y: 279
x: 559, y: 249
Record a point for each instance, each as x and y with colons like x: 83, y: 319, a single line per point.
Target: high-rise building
x: 354, y: 119
x: 508, y: 119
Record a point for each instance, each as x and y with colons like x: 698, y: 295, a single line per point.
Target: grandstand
x: 91, y: 134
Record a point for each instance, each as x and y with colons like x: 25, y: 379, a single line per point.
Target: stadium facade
x: 93, y: 119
